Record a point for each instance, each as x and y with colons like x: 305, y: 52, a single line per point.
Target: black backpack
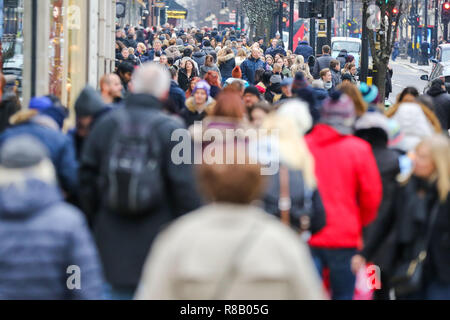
x: 134, y: 179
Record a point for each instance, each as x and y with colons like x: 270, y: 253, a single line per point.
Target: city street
x: 406, y: 75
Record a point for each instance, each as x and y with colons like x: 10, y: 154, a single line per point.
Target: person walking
x: 304, y: 49
x: 351, y: 191
x: 44, y: 120
x: 199, y: 105
x: 250, y: 65
x: 322, y: 62
x: 43, y: 241
x: 129, y: 186
x: 441, y: 103
x: 212, y: 253
x: 226, y: 63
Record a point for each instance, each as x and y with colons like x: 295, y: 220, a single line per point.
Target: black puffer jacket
x: 441, y: 102
x: 376, y: 235
x: 124, y: 242
x: 412, y: 223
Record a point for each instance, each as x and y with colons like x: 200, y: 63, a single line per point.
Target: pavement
x: 414, y: 66
x: 407, y: 74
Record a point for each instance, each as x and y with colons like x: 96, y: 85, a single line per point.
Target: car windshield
x: 349, y: 46
x: 446, y: 55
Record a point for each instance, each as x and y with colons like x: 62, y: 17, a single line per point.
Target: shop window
x: 11, y: 44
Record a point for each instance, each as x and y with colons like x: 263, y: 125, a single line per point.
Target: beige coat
x: 190, y: 258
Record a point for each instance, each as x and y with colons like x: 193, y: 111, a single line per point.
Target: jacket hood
x: 88, y: 103
x: 27, y: 198
x: 303, y: 43
x: 324, y: 135
x: 199, y: 54
x: 435, y: 91
x: 226, y: 58
x: 210, y: 104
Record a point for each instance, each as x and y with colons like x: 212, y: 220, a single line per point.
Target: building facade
x: 57, y: 46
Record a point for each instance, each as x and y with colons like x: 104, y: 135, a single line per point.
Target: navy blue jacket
x: 249, y: 67
x: 304, y: 49
x: 273, y: 51
x: 177, y: 95
x: 40, y: 238
x: 61, y: 150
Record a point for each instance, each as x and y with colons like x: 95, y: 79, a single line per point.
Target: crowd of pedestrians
x: 356, y: 185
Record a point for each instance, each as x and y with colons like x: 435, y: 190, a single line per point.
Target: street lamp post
x: 291, y: 25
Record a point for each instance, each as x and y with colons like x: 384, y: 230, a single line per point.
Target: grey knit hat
x: 22, y: 152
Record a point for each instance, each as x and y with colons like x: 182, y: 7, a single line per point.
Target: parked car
x: 440, y: 70
x: 352, y: 45
x: 13, y: 60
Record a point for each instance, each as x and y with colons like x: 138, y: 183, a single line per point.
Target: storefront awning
x: 175, y: 10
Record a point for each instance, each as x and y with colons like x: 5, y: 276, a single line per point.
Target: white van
x: 352, y: 45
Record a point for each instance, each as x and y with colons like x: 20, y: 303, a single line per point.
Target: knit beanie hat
x: 338, y: 111
x: 57, y: 113
x: 252, y: 90
x: 299, y: 82
x: 369, y: 93
x: 40, y: 103
x: 89, y: 102
x: 23, y: 151
x: 237, y: 73
x: 202, y: 85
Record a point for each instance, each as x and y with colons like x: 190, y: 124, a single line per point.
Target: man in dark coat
x: 323, y: 62
x: 441, y: 102
x: 176, y: 94
x: 304, y: 49
x: 342, y: 58
x: 275, y: 48
x: 124, y: 241
x: 250, y: 65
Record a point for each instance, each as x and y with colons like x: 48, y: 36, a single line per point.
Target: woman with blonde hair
x: 300, y: 66
x: 420, y: 258
x: 295, y: 183
x: 353, y: 92
x: 241, y: 56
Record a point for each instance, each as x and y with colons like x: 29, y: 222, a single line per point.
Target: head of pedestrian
x: 326, y: 77
x: 164, y: 60
x: 439, y: 83
x: 111, y: 88
x: 25, y: 167
x: 326, y: 49
x: 355, y: 94
x: 432, y: 164
x: 157, y: 45
x: 88, y: 105
x: 409, y: 94
x: 251, y: 96
x: 201, y: 93
x: 125, y: 53
x: 125, y: 71
x: 255, y: 53
x: 338, y: 111
x: 56, y: 112
x: 151, y: 79
x: 231, y: 182
x: 274, y: 43
x: 286, y: 86
x: 335, y: 65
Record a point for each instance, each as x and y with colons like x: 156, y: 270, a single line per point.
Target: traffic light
x: 446, y: 12
x: 394, y: 12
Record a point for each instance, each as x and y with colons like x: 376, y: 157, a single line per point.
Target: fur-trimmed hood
x: 223, y: 59
x: 210, y: 104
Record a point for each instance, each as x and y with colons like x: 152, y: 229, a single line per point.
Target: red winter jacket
x: 350, y: 186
